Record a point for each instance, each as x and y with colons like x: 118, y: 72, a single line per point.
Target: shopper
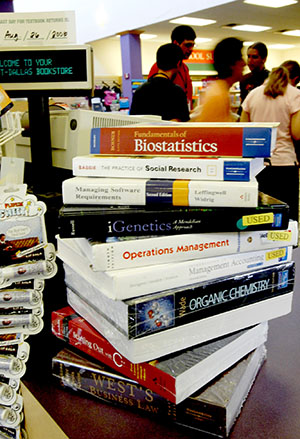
x: 278, y: 101
x: 256, y: 58
x: 159, y: 95
x: 229, y: 64
x: 184, y: 36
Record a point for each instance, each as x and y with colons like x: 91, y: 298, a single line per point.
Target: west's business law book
x: 139, y: 281
x: 153, y: 313
x: 243, y: 169
x: 212, y: 410
x: 129, y: 252
x: 162, y: 343
x: 142, y: 192
x: 102, y: 222
x: 187, y: 140
x: 175, y: 376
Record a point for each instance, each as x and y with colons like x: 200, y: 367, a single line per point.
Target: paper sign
x: 42, y: 28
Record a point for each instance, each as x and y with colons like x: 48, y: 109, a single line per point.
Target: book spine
x: 161, y: 167
x: 156, y: 250
x: 135, y: 222
x: 72, y: 329
x: 207, y: 299
x: 140, y: 192
x: 147, y: 280
x: 205, y: 141
x: 122, y: 392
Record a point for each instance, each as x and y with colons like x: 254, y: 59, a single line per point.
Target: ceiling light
x: 248, y: 43
x: 250, y: 28
x: 281, y: 46
x: 292, y: 33
x: 191, y: 21
x: 271, y: 3
x: 147, y: 36
x: 202, y: 40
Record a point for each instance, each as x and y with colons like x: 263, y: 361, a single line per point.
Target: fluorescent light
x: 248, y: 43
x: 281, y: 46
x: 147, y: 36
x: 292, y: 33
x: 250, y: 28
x: 191, y: 21
x: 271, y: 3
x: 202, y: 40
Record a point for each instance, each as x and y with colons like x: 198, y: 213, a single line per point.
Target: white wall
x: 107, y: 56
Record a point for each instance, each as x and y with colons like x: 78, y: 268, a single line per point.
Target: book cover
x: 194, y: 367
x: 212, y: 409
x: 243, y: 169
x: 162, y: 343
x: 142, y: 316
x: 129, y: 252
x: 142, y: 192
x: 139, y: 281
x: 201, y: 140
x: 103, y: 222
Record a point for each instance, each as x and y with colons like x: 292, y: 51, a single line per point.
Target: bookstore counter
x: 271, y: 410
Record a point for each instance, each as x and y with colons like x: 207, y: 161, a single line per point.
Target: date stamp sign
x: 42, y: 28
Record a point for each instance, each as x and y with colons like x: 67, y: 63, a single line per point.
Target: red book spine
x: 67, y: 325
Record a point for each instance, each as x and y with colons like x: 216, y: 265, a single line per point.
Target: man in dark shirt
x: 159, y: 95
x: 256, y: 57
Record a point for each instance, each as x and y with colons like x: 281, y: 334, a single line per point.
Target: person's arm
x: 245, y: 117
x: 295, y: 125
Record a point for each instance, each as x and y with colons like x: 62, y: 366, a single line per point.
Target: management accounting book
x: 188, y: 140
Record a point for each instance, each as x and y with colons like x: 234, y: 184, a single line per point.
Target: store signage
x: 46, y: 68
x: 201, y: 57
x: 42, y: 28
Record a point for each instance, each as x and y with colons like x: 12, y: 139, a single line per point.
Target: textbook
x: 243, y: 169
x: 121, y: 252
x: 139, y: 281
x: 102, y: 222
x: 163, y: 343
x: 211, y: 410
x: 142, y: 316
x: 142, y: 192
x: 187, y: 140
x: 175, y: 376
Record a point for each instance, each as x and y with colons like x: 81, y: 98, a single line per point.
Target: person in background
x: 256, y: 58
x: 184, y: 36
x: 159, y: 95
x: 278, y: 100
x: 229, y: 64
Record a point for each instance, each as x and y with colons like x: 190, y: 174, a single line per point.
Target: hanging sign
x: 201, y: 60
x: 42, y: 28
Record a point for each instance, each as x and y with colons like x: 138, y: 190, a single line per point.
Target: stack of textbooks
x: 26, y: 260
x: 171, y: 281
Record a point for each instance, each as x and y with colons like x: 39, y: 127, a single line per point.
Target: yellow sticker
x: 280, y: 253
x: 279, y: 236
x: 259, y: 218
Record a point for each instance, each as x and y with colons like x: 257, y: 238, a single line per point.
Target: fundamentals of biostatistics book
x: 120, y: 253
x: 133, y: 282
x: 212, y: 409
x: 142, y: 192
x: 166, y: 342
x: 187, y: 140
x: 243, y: 169
x: 102, y: 222
x: 175, y: 376
x: 142, y: 316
